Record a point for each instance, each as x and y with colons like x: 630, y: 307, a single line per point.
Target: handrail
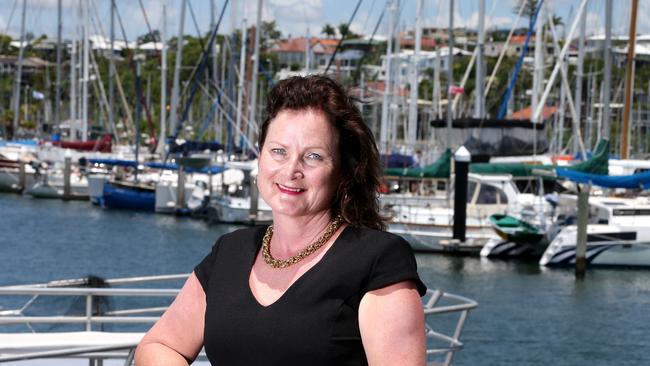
x: 445, y: 347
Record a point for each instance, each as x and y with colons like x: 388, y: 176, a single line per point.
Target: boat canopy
x: 441, y: 169
x: 638, y: 180
x: 113, y: 162
x: 171, y: 166
x: 514, y: 169
x: 597, y: 164
x: 397, y: 161
x: 485, y: 138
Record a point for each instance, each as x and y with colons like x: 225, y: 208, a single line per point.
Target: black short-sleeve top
x: 315, y: 322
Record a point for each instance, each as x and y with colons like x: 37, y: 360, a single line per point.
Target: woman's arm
x: 177, y: 338
x: 391, y: 321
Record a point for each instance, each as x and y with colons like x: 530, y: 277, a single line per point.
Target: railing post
x: 89, y: 312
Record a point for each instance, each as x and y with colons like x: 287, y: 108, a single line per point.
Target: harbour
x: 528, y: 315
x: 512, y: 143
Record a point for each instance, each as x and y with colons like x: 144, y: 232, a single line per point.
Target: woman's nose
x: 295, y: 168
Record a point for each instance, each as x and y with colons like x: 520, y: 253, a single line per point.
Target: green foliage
x: 328, y: 30
x: 345, y: 31
x: 153, y: 36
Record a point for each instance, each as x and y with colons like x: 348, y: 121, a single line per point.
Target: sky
x: 298, y: 17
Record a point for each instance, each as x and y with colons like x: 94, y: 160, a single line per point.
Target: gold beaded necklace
x: 311, y: 248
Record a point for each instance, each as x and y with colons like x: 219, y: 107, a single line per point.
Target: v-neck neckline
x: 314, y: 268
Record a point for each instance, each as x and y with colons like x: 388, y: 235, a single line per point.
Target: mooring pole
x: 462, y: 158
x: 180, y: 187
x: 67, y: 168
x: 254, y: 197
x: 22, y: 176
x: 581, y: 241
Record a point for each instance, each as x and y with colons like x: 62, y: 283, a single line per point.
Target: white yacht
x: 618, y: 235
x: 426, y: 222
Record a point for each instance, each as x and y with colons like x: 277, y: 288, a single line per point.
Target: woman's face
x: 298, y: 164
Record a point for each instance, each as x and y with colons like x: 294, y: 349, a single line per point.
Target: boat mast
x: 111, y: 71
x: 385, y: 108
x: 173, y: 115
x: 579, y: 76
x: 240, y: 82
x: 629, y: 81
x: 607, y: 73
x: 538, y: 73
x: 437, y: 109
x: 57, y: 97
x: 479, y: 109
x: 415, y: 63
x: 19, y: 72
x: 450, y: 72
x: 160, y: 148
x: 84, y: 80
x: 256, y: 64
x: 73, y: 77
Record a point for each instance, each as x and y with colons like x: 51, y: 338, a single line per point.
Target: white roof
x: 151, y: 46
x: 103, y: 43
x: 639, y: 49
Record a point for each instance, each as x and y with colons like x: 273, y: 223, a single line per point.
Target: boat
x: 101, y: 145
x: 618, y: 235
x: 50, y: 183
x: 232, y: 202
x: 517, y: 238
x: 514, y: 229
x: 427, y: 225
x: 128, y: 196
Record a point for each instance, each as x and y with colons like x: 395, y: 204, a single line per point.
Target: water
x: 526, y: 315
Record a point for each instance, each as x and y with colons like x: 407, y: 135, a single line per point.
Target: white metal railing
x: 440, y: 351
x: 445, y: 345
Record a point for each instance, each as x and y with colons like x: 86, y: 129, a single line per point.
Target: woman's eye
x: 278, y: 151
x: 314, y: 156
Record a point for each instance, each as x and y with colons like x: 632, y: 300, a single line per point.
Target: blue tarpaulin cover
x: 638, y: 180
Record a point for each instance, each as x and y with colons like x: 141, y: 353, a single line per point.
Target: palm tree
x: 328, y: 30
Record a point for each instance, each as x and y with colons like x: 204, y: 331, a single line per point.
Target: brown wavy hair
x: 356, y: 197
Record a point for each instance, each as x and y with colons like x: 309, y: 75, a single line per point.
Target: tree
x: 530, y: 7
x: 270, y: 33
x: 328, y: 30
x: 153, y: 36
x: 345, y: 31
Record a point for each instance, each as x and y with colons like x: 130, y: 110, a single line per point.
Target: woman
x: 323, y: 285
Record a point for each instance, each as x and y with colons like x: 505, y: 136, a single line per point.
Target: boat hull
x: 429, y: 238
x: 606, y: 246
x: 128, y: 198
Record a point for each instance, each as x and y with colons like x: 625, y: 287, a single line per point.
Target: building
x: 293, y: 51
x: 427, y: 59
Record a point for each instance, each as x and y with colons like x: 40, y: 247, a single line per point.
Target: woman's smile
x: 290, y: 190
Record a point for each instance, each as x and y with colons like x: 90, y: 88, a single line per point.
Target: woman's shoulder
x: 241, y: 236
x: 375, y: 239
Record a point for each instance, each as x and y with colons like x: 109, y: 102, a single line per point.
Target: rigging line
x: 196, y: 26
x: 357, y: 72
x: 515, y: 74
x: 202, y: 66
x: 196, y: 80
x: 99, y: 20
x: 372, y: 7
x: 146, y: 21
x: 11, y: 16
x: 147, y: 110
x: 338, y: 46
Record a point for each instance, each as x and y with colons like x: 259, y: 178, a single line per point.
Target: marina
x: 527, y: 315
x: 513, y: 154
